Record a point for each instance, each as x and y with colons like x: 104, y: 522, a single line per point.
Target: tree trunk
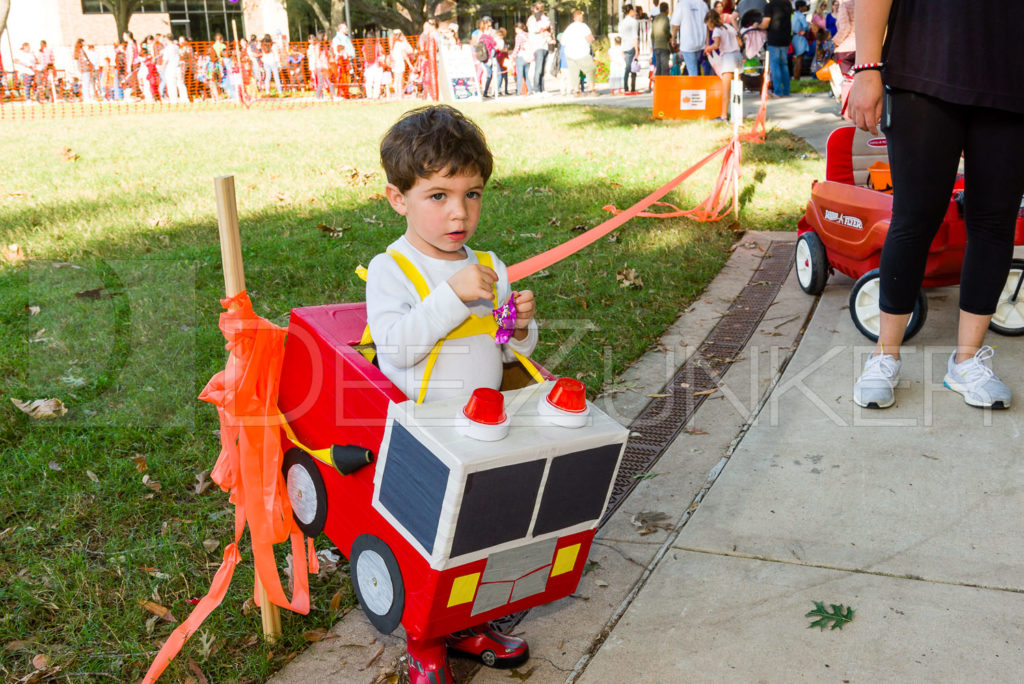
x: 122, y: 15
x: 337, y: 15
x: 5, y: 7
x: 320, y: 16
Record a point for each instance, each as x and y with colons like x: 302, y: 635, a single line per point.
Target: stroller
x: 846, y: 222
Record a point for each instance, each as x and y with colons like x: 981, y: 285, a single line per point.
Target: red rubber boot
x: 428, y: 662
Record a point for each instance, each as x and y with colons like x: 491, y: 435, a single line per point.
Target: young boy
x: 437, y: 164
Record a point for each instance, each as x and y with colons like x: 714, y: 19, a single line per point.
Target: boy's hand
x: 474, y: 282
x: 525, y: 308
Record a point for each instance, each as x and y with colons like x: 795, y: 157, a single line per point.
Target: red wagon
x: 845, y: 224
x: 444, y: 529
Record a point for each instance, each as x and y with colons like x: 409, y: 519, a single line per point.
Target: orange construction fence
x: 295, y: 73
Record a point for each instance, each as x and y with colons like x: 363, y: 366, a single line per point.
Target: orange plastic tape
x: 249, y: 467
x: 555, y: 254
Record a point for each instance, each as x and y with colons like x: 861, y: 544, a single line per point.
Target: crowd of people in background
x: 693, y: 37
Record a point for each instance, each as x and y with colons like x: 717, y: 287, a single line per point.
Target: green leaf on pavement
x: 839, y: 616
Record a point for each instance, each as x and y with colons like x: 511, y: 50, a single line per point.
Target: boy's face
x: 441, y: 212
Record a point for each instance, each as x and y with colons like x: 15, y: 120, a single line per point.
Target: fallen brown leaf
x: 335, y: 602
x: 140, y: 462
x: 41, y: 661
x: 92, y: 476
x: 158, y: 610
x: 628, y: 277
x: 194, y: 668
x: 202, y: 482
x: 210, y: 545
x: 41, y: 408
x: 151, y: 483
x: 318, y: 634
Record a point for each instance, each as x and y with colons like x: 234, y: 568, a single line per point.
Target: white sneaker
x: 976, y: 382
x: 874, y: 388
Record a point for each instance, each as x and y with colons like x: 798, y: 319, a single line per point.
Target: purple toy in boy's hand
x: 505, y: 315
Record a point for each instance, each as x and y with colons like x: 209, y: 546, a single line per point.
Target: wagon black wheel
x: 1009, y: 316
x: 306, y: 491
x: 377, y: 580
x: 867, y: 316
x: 811, y: 263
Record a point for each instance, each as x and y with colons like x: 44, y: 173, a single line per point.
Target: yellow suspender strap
x: 319, y: 454
x: 474, y: 325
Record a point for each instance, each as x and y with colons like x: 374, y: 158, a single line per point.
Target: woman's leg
x: 993, y: 185
x: 726, y: 92
x: 628, y: 54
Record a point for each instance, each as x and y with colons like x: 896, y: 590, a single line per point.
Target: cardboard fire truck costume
x: 451, y: 513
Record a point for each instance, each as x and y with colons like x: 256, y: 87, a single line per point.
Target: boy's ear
x: 396, y: 197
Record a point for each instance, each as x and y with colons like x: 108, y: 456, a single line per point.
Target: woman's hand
x: 864, y: 104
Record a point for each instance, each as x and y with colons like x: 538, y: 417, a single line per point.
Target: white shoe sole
x: 874, y: 404
x: 962, y: 390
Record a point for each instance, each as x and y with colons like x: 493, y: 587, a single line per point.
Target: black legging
x: 926, y: 137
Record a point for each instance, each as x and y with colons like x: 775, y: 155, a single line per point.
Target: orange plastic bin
x: 688, y: 97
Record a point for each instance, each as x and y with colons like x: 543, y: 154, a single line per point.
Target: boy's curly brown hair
x: 433, y: 139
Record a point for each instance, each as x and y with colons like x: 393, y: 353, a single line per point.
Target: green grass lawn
x: 122, y: 209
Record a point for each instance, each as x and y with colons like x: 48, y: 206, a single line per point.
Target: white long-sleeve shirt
x: 405, y: 328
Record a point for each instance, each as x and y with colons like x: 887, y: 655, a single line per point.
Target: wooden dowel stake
x: 234, y: 282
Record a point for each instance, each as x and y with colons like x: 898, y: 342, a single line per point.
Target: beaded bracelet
x: 867, y: 66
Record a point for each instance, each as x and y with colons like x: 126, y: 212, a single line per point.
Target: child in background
x: 728, y: 61
x: 108, y: 79
x: 437, y: 163
x: 616, y: 64
x: 387, y: 82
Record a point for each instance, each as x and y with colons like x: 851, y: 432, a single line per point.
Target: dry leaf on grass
x: 92, y: 476
x: 331, y: 231
x: 202, y: 482
x: 194, y: 668
x: 158, y: 611
x: 210, y: 545
x: 41, y: 661
x: 41, y: 408
x: 32, y: 310
x: 69, y: 155
x: 628, y: 277
x: 140, y: 462
x: 151, y: 483
x: 12, y: 253
x: 335, y: 602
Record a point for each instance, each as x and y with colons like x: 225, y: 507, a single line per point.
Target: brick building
x: 61, y: 22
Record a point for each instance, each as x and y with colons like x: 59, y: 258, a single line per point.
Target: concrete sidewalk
x: 781, y: 493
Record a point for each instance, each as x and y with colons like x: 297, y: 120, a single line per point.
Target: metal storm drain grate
x: 661, y: 420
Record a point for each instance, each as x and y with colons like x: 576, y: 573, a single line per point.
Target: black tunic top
x: 957, y: 51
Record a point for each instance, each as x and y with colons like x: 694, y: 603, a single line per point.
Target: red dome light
x: 485, y: 406
x: 568, y: 395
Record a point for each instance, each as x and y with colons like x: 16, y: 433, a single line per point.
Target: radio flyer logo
x: 844, y: 220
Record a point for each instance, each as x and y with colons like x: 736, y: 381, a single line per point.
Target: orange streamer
x: 555, y: 254
x: 723, y: 199
x: 759, y: 130
x: 249, y: 468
